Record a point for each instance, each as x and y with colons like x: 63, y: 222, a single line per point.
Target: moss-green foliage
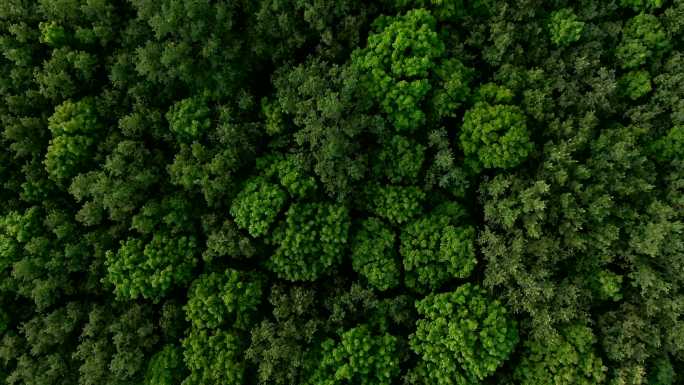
x: 74, y: 127
x: 373, y: 254
x: 565, y: 28
x: 495, y: 136
x: 213, y: 358
x: 166, y: 367
x: 216, y: 300
x: 189, y: 118
x: 568, y: 359
x: 671, y: 145
x: 636, y: 84
x: 437, y: 248
x: 397, y: 204
x: 400, y: 160
x: 166, y: 166
x: 150, y: 270
x: 463, y: 336
x: 257, y: 206
x: 643, y: 40
x: 360, y: 357
x: 401, y: 53
x: 310, y: 241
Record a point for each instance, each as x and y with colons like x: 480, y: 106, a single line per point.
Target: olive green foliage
x: 277, y: 192
x: 257, y: 206
x: 166, y: 367
x: 636, y: 84
x: 463, y: 336
x: 564, y: 27
x: 215, y: 300
x: 397, y: 204
x: 213, y: 358
x: 400, y: 160
x: 360, y: 357
x: 495, y: 136
x: 373, y: 254
x: 310, y: 241
x: 150, y: 270
x: 189, y: 118
x: 399, y: 59
x: 569, y: 358
x: 643, y: 40
x: 74, y: 127
x: 437, y: 247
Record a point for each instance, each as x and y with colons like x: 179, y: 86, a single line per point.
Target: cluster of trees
x: 327, y: 192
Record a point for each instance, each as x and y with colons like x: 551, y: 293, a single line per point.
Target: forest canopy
x: 341, y: 192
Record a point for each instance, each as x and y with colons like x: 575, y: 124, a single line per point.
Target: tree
x: 568, y: 359
x: 189, y: 118
x: 643, y: 39
x: 360, y: 357
x: 462, y: 337
x: 150, y: 270
x: 74, y: 126
x: 399, y: 57
x: 229, y: 299
x: 373, y: 254
x: 495, y: 136
x: 310, y: 241
x: 255, y: 208
x: 435, y: 249
x: 397, y: 204
x: 166, y: 367
x: 213, y: 358
x: 564, y: 27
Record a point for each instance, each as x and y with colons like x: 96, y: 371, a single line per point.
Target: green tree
x: 462, y: 337
x: 399, y: 57
x: 436, y: 248
x: 565, y: 28
x: 360, y: 357
x: 213, y: 358
x: 397, y: 204
x: 495, y: 136
x: 310, y: 241
x: 229, y: 299
x: 151, y: 269
x: 74, y: 127
x: 166, y: 367
x: 373, y: 254
x: 569, y: 358
x: 643, y: 40
x: 256, y: 207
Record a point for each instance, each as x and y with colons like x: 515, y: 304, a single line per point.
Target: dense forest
x: 341, y: 192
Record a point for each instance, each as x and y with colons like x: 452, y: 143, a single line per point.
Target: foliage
x: 399, y: 58
x: 463, y: 336
x: 282, y: 192
x: 568, y: 359
x: 72, y: 127
x: 166, y: 367
x: 373, y: 254
x: 310, y: 241
x: 257, y: 205
x: 213, y: 358
x: 436, y: 249
x: 359, y: 358
x: 495, y: 136
x: 643, y: 39
x: 565, y: 28
x: 216, y: 299
x: 150, y: 270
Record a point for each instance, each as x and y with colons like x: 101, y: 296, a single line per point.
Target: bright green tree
x: 462, y: 337
x: 373, y: 254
